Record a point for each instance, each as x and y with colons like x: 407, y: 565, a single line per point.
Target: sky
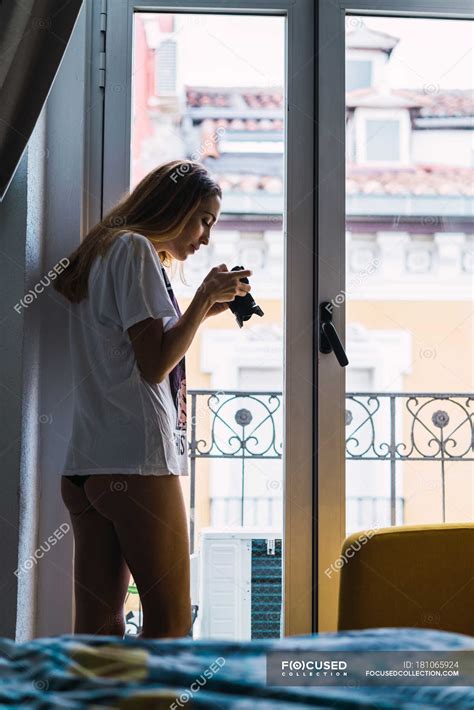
x: 232, y: 50
x: 433, y: 52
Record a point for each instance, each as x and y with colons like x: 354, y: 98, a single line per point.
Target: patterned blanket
x: 96, y: 672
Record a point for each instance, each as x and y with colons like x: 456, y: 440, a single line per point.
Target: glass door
x: 218, y: 88
x: 396, y: 269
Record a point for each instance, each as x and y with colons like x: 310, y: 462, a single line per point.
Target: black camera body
x: 244, y: 307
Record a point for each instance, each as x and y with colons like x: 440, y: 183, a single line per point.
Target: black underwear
x: 78, y: 480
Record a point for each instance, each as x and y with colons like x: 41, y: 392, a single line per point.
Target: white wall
x: 64, y: 172
x: 13, y: 215
x: 41, y: 218
x: 443, y: 147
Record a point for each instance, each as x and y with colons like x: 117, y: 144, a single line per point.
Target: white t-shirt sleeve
x: 139, y: 286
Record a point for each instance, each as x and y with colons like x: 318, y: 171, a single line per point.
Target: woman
x: 128, y: 446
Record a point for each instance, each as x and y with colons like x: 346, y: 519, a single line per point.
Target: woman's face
x: 197, y: 231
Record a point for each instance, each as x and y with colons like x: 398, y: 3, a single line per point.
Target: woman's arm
x: 158, y: 351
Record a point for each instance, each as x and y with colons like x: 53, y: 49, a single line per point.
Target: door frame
x: 299, y: 546
x: 330, y: 266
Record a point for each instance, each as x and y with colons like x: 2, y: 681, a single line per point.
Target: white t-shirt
x: 121, y: 423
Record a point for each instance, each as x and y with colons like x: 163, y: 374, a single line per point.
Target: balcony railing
x: 263, y: 510
x: 391, y: 428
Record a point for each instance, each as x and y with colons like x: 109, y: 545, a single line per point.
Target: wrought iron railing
x: 265, y: 510
x: 402, y: 426
x: 391, y: 428
x: 372, y: 511
x: 239, y: 426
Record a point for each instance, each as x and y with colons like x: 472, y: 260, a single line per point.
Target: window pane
x: 409, y: 276
x: 210, y: 88
x: 382, y: 140
x: 358, y: 74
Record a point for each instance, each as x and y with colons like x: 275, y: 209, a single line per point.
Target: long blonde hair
x: 159, y: 208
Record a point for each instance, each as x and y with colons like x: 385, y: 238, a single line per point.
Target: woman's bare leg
x: 101, y: 575
x: 149, y: 517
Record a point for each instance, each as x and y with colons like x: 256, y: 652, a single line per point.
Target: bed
x: 96, y: 672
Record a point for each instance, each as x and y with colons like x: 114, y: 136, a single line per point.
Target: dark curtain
x: 33, y: 37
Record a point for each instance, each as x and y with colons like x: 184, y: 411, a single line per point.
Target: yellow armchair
x: 410, y: 576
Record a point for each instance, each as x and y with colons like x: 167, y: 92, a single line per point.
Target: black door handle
x: 329, y: 341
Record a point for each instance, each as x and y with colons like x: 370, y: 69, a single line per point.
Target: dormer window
x: 382, y: 136
x: 382, y: 139
x: 359, y: 74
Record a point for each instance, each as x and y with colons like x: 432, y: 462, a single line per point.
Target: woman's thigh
x: 101, y: 575
x: 149, y: 516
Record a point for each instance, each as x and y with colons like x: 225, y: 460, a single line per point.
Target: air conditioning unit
x: 240, y: 584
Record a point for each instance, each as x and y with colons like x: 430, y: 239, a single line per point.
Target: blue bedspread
x: 84, y: 671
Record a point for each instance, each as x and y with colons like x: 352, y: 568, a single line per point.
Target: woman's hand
x: 221, y: 286
x: 216, y: 309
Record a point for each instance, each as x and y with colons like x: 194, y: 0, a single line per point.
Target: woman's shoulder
x: 130, y: 244
x: 133, y: 252
x: 134, y: 240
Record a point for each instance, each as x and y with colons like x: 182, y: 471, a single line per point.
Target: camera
x: 244, y: 307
